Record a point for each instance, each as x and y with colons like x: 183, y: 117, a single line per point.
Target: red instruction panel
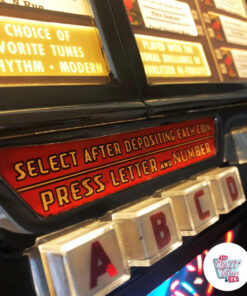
x: 54, y: 178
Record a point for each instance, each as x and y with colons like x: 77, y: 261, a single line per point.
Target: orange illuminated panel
x: 164, y: 58
x: 55, y: 178
x: 34, y: 48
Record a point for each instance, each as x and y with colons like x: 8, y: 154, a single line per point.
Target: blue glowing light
x: 188, y: 287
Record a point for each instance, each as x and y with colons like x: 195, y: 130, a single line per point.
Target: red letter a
x: 100, y: 264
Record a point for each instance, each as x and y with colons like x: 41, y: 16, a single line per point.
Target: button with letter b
x: 147, y: 231
x: 193, y: 204
x: 226, y: 186
x: 85, y: 261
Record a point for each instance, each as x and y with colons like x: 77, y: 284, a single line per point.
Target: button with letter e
x: 147, y: 231
x: 193, y: 204
x: 226, y: 187
x: 85, y: 261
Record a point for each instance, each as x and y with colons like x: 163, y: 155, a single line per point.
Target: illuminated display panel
x: 172, y: 58
x: 171, y: 41
x: 40, y: 50
x: 226, y: 28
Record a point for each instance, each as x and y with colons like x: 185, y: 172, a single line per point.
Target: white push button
x: 226, y: 187
x: 86, y: 261
x: 193, y: 204
x: 147, y: 231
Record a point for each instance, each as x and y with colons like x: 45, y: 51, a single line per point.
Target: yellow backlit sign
x: 164, y: 58
x: 34, y: 48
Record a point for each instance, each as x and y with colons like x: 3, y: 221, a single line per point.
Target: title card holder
x: 46, y: 40
x: 225, y: 25
x: 171, y: 41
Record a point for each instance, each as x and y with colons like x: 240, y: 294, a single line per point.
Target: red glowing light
x: 199, y: 264
x: 229, y: 236
x: 205, y: 252
x: 209, y: 290
x: 174, y: 285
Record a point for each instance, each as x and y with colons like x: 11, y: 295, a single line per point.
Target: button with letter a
x: 147, y: 231
x: 86, y: 261
x: 193, y: 204
x: 227, y: 188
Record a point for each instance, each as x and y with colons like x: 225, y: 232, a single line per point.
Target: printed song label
x: 240, y: 61
x: 167, y: 15
x: 235, y: 30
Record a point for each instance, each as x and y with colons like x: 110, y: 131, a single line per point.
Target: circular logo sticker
x: 225, y: 267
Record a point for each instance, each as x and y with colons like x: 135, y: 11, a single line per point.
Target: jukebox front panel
x: 136, y: 185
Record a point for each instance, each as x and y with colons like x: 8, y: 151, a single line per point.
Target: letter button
x: 193, y: 204
x: 226, y: 187
x: 85, y: 261
x: 147, y: 231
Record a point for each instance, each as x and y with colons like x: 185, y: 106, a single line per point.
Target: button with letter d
x: 226, y: 186
x: 193, y: 204
x: 147, y: 231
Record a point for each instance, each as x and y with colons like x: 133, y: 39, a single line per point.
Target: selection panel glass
x: 171, y: 41
x: 226, y: 30
x: 47, y: 42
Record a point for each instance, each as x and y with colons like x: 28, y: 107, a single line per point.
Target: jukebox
x: 123, y: 144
